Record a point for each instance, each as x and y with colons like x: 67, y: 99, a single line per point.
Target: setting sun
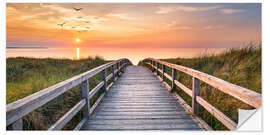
x: 77, y: 40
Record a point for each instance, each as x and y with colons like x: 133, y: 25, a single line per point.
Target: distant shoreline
x: 27, y: 48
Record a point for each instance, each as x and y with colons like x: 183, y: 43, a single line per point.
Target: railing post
x: 113, y: 77
x: 152, y: 64
x: 17, y: 125
x: 85, y: 95
x: 163, y: 71
x: 117, y: 67
x: 157, y: 69
x: 195, y: 92
x: 174, y: 74
x: 104, y: 75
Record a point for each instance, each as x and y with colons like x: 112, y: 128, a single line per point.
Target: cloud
x: 165, y: 10
x: 231, y: 11
x: 123, y: 16
x: 193, y: 9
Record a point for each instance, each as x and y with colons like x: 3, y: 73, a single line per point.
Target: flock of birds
x: 80, y: 17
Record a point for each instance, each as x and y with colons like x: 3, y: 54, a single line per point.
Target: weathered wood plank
x: 85, y: 95
x: 96, y: 103
x: 104, y: 76
x: 143, y: 121
x: 183, y: 87
x: 217, y: 114
x: 165, y: 74
x: 17, y: 125
x: 144, y: 127
x: 109, y: 76
x: 96, y: 89
x: 188, y: 109
x: 118, y: 117
x: 159, y: 109
x: 195, y: 93
x: 131, y: 113
x: 81, y: 124
x: 68, y: 116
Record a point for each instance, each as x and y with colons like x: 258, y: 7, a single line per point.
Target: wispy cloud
x: 231, y: 11
x: 193, y: 9
x: 123, y: 16
x: 165, y: 10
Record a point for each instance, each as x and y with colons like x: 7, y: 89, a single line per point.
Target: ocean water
x: 135, y: 55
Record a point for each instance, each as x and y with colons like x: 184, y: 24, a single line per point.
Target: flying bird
x: 77, y: 9
x: 61, y: 24
x: 73, y: 27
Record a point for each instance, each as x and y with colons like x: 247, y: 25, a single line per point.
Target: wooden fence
x: 245, y: 95
x: 18, y: 109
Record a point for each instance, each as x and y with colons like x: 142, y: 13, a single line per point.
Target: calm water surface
x: 135, y: 55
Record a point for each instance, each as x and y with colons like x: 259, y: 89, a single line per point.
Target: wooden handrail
x: 16, y: 110
x: 245, y: 95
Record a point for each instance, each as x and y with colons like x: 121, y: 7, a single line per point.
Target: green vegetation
x: 240, y: 66
x: 26, y: 76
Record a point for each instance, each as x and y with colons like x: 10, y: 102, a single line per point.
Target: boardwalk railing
x: 245, y: 95
x: 16, y: 110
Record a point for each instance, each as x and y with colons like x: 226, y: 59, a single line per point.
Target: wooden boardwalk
x: 135, y: 101
x: 138, y: 101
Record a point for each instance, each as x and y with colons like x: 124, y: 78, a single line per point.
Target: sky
x: 132, y: 26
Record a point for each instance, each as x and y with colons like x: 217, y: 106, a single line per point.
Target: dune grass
x: 26, y: 76
x: 240, y: 66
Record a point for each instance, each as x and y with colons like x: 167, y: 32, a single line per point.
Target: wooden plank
x: 168, y: 76
x: 22, y: 107
x: 17, y: 125
x: 247, y: 96
x: 96, y: 89
x: 143, y: 121
x: 183, y: 87
x: 217, y: 114
x: 158, y: 69
x: 140, y: 107
x: 118, y: 117
x: 188, y: 109
x: 85, y: 95
x: 96, y: 103
x: 113, y: 73
x: 159, y: 109
x: 109, y: 76
x: 68, y: 116
x: 174, y: 74
x: 144, y: 127
x: 165, y: 74
x: 109, y: 86
x: 140, y: 104
x: 195, y: 93
x: 132, y: 113
x: 139, y: 101
x: 81, y: 124
x: 104, y: 75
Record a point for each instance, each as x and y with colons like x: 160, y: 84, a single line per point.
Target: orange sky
x: 144, y: 26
